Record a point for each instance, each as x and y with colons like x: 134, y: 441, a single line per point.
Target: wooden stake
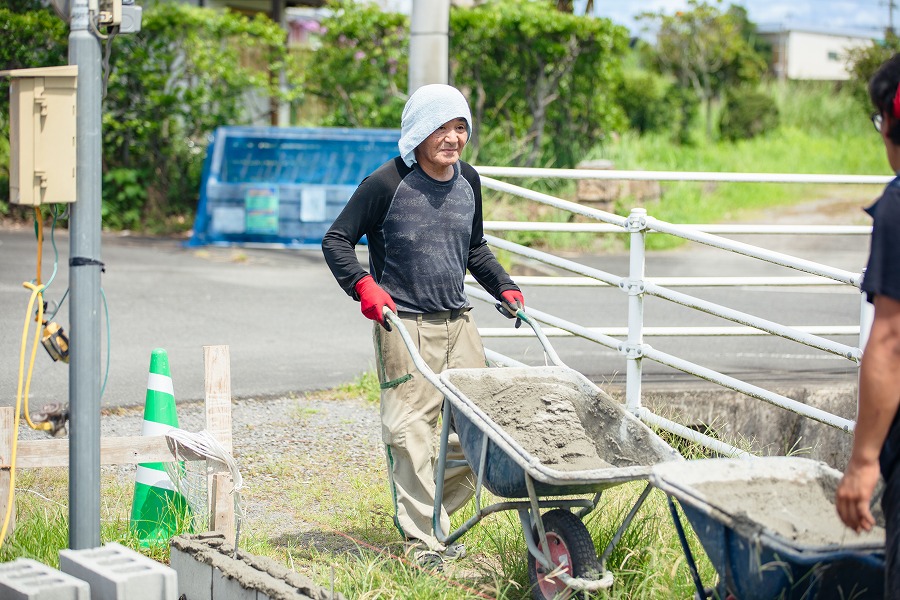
x: 217, y: 375
x: 221, y: 510
x: 7, y: 438
x: 218, y: 422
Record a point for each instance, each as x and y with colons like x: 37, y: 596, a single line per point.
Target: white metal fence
x: 630, y: 341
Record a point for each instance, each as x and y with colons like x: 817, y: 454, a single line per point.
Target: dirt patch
x: 798, y: 511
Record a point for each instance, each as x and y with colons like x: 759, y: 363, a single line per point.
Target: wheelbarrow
x: 575, y: 440
x: 771, y: 530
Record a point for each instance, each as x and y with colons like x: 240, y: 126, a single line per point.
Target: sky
x: 867, y: 17
x: 859, y: 16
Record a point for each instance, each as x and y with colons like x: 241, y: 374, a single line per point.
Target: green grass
x: 366, y: 386
x: 42, y: 516
x: 340, y: 529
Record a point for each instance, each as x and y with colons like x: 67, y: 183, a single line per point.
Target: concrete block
x: 119, y: 573
x: 238, y: 575
x: 26, y: 579
x: 226, y: 587
x: 195, y: 578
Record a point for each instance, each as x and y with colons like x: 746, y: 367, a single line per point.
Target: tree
x: 539, y: 75
x: 750, y: 32
x: 536, y: 78
x: 705, y: 50
x: 187, y: 72
x: 360, y: 69
x: 26, y: 6
x: 864, y: 61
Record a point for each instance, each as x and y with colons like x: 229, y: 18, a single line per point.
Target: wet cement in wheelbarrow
x: 802, y: 512
x: 542, y: 417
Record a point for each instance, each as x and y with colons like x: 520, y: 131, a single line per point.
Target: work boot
x: 429, y: 560
x: 454, y: 552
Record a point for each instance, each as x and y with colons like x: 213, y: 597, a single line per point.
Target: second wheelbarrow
x: 771, y: 530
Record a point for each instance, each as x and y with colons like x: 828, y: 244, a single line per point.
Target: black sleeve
x: 362, y: 215
x: 482, y: 263
x: 882, y: 275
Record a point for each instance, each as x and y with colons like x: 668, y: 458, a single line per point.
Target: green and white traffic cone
x: 158, y: 511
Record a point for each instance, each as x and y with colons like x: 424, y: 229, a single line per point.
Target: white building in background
x: 810, y: 54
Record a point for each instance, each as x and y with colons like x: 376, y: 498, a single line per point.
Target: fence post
x: 636, y: 225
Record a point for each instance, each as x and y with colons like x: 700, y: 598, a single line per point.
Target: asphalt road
x: 291, y: 329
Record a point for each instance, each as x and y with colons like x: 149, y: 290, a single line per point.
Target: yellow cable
x: 37, y: 291
x: 10, y: 500
x: 22, y: 400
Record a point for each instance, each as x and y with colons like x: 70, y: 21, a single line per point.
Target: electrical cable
x: 94, y: 28
x: 22, y: 391
x: 56, y: 215
x: 203, y: 443
x: 37, y: 293
x: 55, y: 253
x: 10, y: 500
x: 49, y: 317
x: 39, y: 233
x: 113, y: 31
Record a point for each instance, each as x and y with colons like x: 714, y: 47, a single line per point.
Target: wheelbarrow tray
x: 766, y: 526
x: 626, y: 448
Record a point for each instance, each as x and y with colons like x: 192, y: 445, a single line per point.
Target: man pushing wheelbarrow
x: 422, y: 217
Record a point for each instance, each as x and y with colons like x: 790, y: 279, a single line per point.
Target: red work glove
x: 373, y: 299
x: 513, y: 300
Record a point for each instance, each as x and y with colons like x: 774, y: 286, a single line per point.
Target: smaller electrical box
x: 110, y: 12
x: 42, y: 135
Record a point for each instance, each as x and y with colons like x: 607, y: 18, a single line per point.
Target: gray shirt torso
x: 427, y: 231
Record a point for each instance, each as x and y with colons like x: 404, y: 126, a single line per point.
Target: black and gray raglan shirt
x: 422, y: 234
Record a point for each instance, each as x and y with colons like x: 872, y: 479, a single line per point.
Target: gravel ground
x: 314, y: 437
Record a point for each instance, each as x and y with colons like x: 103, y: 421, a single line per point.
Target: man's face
x: 442, y: 148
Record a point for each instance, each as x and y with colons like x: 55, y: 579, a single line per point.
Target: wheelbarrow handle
x: 395, y: 321
x: 542, y: 338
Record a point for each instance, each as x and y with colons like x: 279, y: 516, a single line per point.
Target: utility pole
x: 84, y: 288
x: 891, y: 5
x: 429, y: 43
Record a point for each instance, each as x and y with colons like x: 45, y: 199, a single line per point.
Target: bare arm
x: 879, y: 399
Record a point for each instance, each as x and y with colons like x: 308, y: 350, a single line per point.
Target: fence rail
x: 629, y: 340
x: 539, y: 173
x: 711, y: 228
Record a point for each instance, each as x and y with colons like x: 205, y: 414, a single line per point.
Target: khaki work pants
x: 410, y: 411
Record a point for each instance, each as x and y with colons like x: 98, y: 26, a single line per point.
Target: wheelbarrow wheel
x: 571, y: 547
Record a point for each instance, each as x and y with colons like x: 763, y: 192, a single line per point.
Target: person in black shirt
x: 421, y: 215
x: 876, y: 439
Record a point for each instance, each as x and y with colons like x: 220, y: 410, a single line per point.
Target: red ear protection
x: 895, y: 106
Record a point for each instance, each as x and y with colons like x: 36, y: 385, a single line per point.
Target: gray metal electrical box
x: 42, y: 135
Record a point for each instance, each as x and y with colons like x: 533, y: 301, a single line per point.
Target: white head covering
x: 428, y: 108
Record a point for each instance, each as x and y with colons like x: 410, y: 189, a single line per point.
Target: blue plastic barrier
x: 283, y: 186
